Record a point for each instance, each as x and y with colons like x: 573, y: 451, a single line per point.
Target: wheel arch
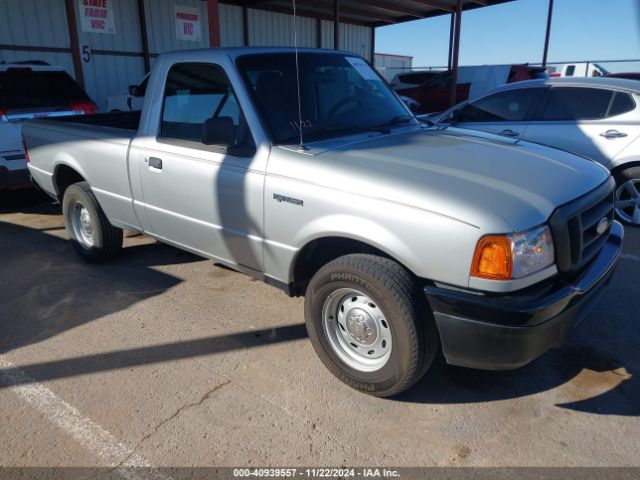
x: 64, y: 176
x: 625, y: 165
x: 319, y: 251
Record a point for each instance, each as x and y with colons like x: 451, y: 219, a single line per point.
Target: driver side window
x: 194, y: 93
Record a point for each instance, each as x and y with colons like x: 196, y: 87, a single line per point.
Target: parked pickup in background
x: 32, y: 90
x: 584, y: 69
x: 402, y: 237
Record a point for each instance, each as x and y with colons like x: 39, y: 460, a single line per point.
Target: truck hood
x: 481, y: 179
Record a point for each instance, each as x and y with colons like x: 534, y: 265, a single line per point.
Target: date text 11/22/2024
x: 316, y: 472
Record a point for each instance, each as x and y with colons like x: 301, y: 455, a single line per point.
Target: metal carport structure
x: 377, y: 13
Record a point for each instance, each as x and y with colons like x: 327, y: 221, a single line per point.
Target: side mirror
x: 134, y: 91
x: 452, y: 118
x: 219, y: 131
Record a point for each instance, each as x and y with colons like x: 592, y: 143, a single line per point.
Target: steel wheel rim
x: 82, y: 225
x: 628, y: 201
x: 357, y: 330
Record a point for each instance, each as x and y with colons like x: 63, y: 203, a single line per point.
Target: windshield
x: 340, y: 95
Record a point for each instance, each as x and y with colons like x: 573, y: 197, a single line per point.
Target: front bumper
x: 502, y: 332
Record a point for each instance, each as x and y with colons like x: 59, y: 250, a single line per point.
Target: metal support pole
x: 548, y: 36
x: 451, y: 30
x: 456, y: 54
x: 143, y: 35
x: 72, y: 25
x: 214, y: 23
x: 245, y: 26
x: 336, y: 24
x: 373, y: 46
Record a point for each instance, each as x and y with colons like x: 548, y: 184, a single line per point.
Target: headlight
x: 505, y: 257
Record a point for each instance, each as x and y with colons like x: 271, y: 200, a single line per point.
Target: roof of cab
x: 235, y: 52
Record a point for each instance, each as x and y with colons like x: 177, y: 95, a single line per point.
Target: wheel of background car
x: 628, y: 196
x: 93, y: 237
x: 369, y: 324
x: 341, y: 103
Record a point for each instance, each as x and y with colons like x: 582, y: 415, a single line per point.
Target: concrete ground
x: 163, y: 359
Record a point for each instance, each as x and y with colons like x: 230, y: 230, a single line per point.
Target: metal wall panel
x: 356, y: 39
x: 353, y: 38
x: 327, y: 34
x: 63, y: 60
x: 161, y: 26
x: 111, y: 74
x: 276, y: 29
x: 34, y: 23
x: 231, y: 28
x: 127, y: 37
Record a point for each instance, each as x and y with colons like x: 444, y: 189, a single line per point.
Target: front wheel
x: 628, y: 196
x: 368, y: 324
x: 93, y: 237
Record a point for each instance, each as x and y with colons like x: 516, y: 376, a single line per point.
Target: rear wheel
x: 628, y: 196
x: 93, y: 237
x: 368, y: 324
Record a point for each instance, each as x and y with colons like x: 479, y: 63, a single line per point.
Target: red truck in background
x: 434, y: 95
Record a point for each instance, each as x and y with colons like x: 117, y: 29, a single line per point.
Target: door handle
x: 613, y: 134
x: 509, y: 133
x: 155, y: 162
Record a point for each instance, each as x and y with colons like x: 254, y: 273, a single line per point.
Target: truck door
x: 204, y: 198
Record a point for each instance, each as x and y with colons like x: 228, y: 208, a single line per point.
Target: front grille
x: 574, y: 227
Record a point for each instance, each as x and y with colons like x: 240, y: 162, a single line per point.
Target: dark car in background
x: 32, y: 90
x: 434, y: 95
x: 627, y: 75
x: 414, y: 78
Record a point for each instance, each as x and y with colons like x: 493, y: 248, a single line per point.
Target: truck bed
x: 96, y: 147
x: 120, y: 120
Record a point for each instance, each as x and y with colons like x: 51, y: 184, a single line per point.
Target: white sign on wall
x: 187, y: 23
x: 96, y: 16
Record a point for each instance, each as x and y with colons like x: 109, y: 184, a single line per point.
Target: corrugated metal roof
x: 367, y: 12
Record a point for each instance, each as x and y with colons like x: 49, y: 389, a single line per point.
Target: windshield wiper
x: 398, y: 119
x: 337, y: 130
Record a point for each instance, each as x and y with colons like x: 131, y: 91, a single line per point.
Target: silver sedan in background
x: 598, y: 118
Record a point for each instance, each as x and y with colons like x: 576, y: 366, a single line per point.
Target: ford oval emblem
x: 603, y: 224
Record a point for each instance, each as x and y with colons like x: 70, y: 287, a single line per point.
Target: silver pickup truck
x: 314, y: 177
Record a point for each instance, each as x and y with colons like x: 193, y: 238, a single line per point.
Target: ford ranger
x: 304, y: 169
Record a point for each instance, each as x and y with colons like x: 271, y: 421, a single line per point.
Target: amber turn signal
x: 492, y: 258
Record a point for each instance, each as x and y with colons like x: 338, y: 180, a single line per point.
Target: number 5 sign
x: 85, y: 52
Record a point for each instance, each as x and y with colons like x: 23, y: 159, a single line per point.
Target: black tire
x: 413, y: 329
x: 107, y: 239
x: 621, y: 177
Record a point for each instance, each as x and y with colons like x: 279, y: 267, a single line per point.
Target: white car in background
x: 32, y: 90
x: 598, y: 118
x: 129, y: 102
